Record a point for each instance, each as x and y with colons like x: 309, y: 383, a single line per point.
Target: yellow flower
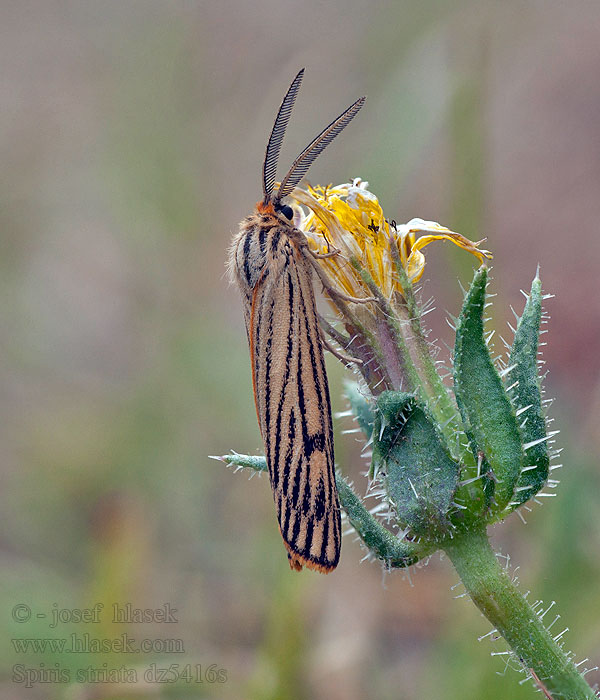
x: 350, y: 219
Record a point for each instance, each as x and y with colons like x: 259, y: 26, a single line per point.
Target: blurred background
x: 131, y: 137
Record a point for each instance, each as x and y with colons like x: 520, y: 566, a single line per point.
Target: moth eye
x: 288, y: 212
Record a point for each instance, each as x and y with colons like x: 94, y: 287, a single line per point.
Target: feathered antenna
x: 277, y: 134
x: 303, y: 162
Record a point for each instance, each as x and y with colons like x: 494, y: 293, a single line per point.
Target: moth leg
x: 347, y: 359
x: 331, y: 251
x: 321, y: 256
x: 332, y: 290
x: 345, y: 297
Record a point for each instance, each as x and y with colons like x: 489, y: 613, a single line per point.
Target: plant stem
x: 436, y: 393
x: 494, y: 593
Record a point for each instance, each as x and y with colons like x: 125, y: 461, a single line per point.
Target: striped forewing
x: 293, y: 406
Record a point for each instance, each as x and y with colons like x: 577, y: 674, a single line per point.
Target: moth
x: 271, y: 263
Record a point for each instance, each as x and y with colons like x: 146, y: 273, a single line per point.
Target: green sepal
x: 488, y: 415
x: 360, y: 406
x: 527, y: 392
x: 384, y: 545
x: 416, y: 468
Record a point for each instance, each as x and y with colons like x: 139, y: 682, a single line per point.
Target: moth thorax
x: 250, y: 250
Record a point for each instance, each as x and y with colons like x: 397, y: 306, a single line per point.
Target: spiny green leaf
x: 527, y: 392
x: 384, y: 544
x: 418, y: 472
x: 487, y: 413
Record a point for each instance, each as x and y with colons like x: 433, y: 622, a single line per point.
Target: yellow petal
x: 415, y: 266
x: 458, y: 240
x: 350, y: 219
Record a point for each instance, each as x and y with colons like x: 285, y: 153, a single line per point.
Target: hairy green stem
x: 391, y: 341
x: 437, y: 394
x: 495, y: 594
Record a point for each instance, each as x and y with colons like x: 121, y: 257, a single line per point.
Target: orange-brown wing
x: 294, y: 410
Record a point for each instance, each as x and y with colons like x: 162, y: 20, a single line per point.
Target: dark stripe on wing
x: 294, y: 406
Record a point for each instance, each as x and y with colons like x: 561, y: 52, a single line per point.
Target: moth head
x: 287, y: 214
